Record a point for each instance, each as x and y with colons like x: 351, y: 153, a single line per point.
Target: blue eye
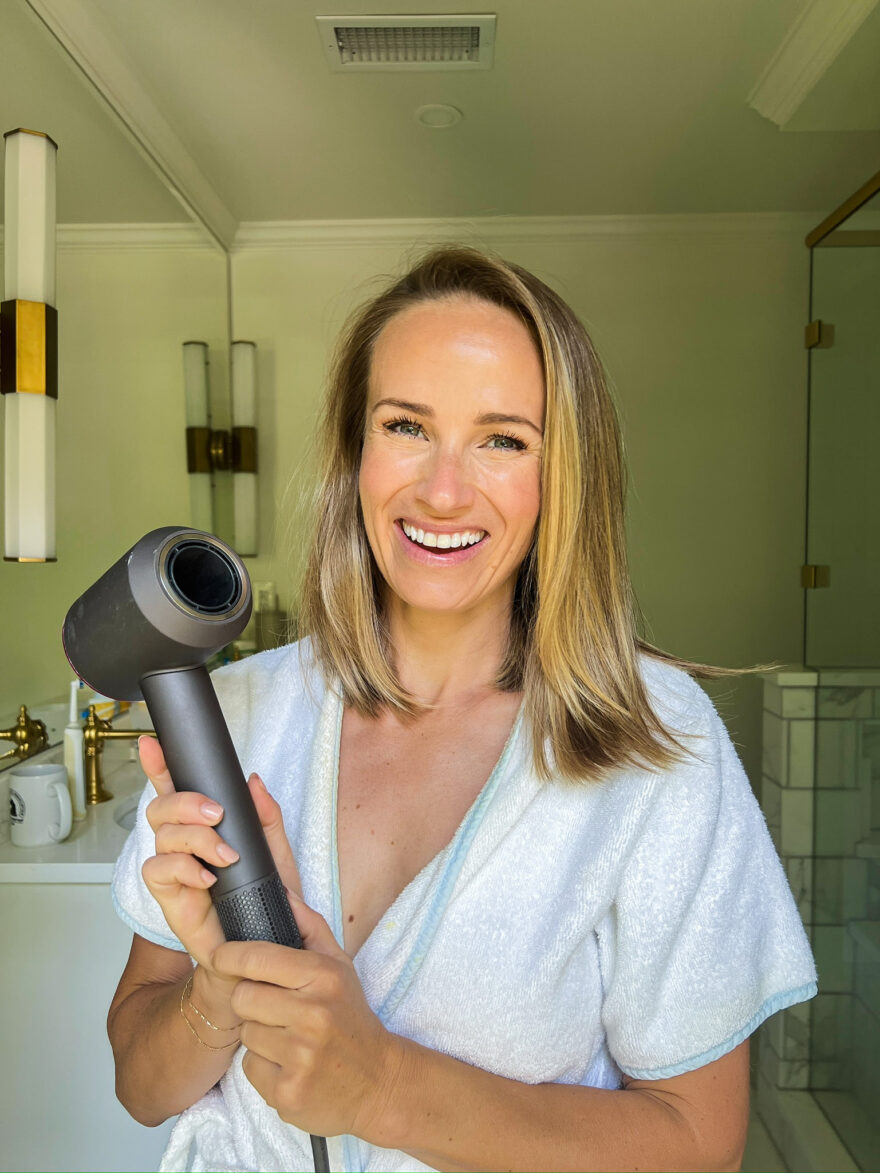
x: 503, y: 442
x: 403, y: 427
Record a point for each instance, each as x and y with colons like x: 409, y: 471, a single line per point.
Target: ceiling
x: 591, y: 107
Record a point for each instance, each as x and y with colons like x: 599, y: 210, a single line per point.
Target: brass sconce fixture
x: 209, y: 450
x: 29, y: 346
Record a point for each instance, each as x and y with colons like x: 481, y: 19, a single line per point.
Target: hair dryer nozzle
x: 172, y: 601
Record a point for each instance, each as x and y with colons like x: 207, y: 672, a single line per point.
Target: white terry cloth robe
x: 567, y: 933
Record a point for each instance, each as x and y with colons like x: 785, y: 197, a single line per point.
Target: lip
x: 429, y: 557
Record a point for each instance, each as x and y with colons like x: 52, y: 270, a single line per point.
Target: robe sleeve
x: 703, y: 940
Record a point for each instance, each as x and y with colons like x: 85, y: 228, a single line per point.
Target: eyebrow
x: 489, y: 417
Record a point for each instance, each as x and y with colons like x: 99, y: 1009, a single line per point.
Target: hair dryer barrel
x: 172, y: 601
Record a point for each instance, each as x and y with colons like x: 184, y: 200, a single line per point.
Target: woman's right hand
x: 184, y: 827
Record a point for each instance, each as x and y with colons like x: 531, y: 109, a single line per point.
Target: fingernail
x: 208, y: 877
x: 259, y: 781
x: 210, y: 810
x: 228, y: 853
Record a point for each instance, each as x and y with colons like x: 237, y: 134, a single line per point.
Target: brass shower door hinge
x: 819, y: 334
x: 814, y: 577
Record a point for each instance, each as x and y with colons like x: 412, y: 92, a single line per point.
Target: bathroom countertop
x: 89, y: 852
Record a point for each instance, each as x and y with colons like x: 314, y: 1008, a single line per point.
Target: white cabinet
x: 62, y: 950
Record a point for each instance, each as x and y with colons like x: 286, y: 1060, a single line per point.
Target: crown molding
x: 322, y: 234
x: 808, y: 49
x: 80, y: 32
x: 118, y: 238
x: 283, y: 234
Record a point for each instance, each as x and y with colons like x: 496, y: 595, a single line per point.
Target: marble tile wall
x: 820, y: 792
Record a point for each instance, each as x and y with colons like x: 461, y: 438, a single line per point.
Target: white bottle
x: 73, y: 751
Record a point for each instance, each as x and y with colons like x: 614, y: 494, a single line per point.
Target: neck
x: 447, y: 660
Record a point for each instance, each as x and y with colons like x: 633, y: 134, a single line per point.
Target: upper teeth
x: 467, y: 537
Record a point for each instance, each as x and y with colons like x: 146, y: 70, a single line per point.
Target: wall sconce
x: 198, y: 434
x: 209, y: 450
x: 29, y: 346
x: 244, y: 446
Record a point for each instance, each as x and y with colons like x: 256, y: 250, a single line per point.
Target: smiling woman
x: 440, y: 486
x: 541, y: 909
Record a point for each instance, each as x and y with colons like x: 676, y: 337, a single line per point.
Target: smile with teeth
x: 422, y: 537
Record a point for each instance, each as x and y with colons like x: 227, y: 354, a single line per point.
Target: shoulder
x: 706, y: 781
x: 678, y: 701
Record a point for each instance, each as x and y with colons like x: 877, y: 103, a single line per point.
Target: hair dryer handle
x: 249, y: 896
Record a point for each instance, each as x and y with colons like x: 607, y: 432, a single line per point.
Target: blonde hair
x: 573, y: 649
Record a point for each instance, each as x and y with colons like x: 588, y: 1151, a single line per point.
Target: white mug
x: 39, y: 804
x: 4, y: 806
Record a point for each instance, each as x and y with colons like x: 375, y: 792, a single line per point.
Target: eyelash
x: 405, y: 422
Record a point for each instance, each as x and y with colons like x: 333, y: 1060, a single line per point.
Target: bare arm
x: 455, y: 1117
x: 160, y: 1066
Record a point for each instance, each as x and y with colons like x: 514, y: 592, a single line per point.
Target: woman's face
x: 450, y: 474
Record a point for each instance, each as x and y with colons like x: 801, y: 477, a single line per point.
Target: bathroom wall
x: 126, y: 299
x: 700, y: 323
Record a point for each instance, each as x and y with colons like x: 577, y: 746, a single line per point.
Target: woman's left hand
x: 316, y: 1052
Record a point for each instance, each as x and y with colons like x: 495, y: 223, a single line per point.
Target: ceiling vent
x: 378, y: 43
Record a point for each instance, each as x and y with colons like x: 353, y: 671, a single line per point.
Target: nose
x: 445, y: 486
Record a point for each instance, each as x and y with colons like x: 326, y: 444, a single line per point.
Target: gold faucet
x: 28, y: 736
x: 95, y: 732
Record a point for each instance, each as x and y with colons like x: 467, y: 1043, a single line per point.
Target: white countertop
x: 89, y: 852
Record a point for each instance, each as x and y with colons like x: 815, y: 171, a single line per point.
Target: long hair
x: 573, y: 648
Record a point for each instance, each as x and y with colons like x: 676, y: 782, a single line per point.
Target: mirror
x: 136, y: 277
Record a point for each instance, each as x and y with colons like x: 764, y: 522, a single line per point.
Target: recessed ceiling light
x: 438, y: 117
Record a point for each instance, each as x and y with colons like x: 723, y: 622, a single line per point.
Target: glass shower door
x: 843, y: 619
x: 842, y: 640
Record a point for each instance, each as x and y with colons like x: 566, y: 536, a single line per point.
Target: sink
x: 126, y: 811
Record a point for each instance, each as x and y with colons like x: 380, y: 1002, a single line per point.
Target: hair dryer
x: 145, y: 630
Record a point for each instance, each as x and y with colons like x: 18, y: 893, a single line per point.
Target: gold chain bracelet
x: 185, y: 996
x: 188, y: 991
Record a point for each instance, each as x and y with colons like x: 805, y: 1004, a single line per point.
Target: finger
x: 180, y: 886
x: 153, y: 764
x: 203, y: 842
x: 264, y: 961
x: 269, y: 1042
x: 266, y: 1003
x: 314, y: 930
x: 185, y: 807
x: 167, y: 876
x: 263, y: 1075
x: 273, y: 825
